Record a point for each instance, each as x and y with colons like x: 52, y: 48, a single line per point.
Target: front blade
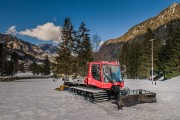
x: 138, y: 97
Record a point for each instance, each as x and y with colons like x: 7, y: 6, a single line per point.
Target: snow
x: 26, y: 74
x: 36, y: 99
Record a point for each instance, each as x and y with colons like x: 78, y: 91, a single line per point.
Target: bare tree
x: 96, y: 40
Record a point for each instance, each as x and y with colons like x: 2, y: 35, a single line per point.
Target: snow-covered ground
x: 36, y: 99
x: 26, y: 74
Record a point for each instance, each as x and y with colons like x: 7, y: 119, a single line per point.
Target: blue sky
x: 108, y: 18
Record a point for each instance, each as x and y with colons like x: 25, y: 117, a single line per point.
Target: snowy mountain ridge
x: 167, y: 15
x: 24, y: 48
x: 160, y: 24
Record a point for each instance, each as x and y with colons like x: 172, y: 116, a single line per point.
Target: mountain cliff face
x: 49, y: 48
x: 159, y: 24
x: 28, y: 50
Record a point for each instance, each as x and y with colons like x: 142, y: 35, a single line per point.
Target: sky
x: 40, y: 21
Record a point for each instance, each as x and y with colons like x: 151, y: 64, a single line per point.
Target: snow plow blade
x: 136, y: 97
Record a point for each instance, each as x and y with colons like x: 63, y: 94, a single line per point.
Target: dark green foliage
x: 169, y: 57
x: 33, y: 68
x: 129, y: 57
x: 85, y: 51
x: 14, y: 57
x: 1, y: 50
x: 9, y: 68
x: 1, y: 59
x: 124, y: 57
x: 14, y: 60
x: 158, y: 45
x: 66, y: 49
x: 40, y: 68
x: 137, y: 56
x: 21, y: 67
x: 46, y: 66
x: 145, y: 55
x: 75, y: 50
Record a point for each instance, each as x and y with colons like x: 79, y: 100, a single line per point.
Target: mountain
x: 27, y: 50
x: 48, y: 48
x: 111, y: 49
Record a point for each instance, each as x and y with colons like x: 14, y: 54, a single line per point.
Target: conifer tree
x: 145, y: 55
x: 135, y: 62
x: 136, y: 55
x: 46, y: 67
x: 14, y: 60
x: 85, y: 48
x: 158, y: 45
x: 170, y: 55
x: 66, y: 49
x: 125, y: 57
x: 33, y: 68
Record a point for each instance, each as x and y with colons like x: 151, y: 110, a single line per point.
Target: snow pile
x: 36, y: 99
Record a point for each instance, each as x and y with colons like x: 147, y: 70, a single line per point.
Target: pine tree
x: 158, y: 45
x: 9, y: 68
x: 3, y: 54
x: 145, y: 55
x: 125, y: 58
x: 135, y: 62
x: 1, y: 58
x: 14, y: 60
x: 170, y: 55
x: 85, y: 51
x: 46, y: 67
x: 136, y: 55
x: 176, y: 50
x: 33, y: 68
x: 66, y: 49
x: 40, y: 69
x: 21, y: 67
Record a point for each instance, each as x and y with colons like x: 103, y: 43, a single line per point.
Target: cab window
x: 96, y: 71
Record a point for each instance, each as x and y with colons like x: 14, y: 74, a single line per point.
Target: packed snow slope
x: 36, y: 99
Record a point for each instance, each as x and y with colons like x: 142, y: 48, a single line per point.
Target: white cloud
x: 46, y: 32
x: 12, y: 30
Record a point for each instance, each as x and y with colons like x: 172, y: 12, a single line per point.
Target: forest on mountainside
x: 136, y: 55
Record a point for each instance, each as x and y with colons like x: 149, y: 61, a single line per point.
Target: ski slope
x: 36, y: 99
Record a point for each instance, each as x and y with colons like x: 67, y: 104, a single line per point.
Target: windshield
x: 112, y: 73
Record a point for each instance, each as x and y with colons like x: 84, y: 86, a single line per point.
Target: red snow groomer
x: 104, y: 82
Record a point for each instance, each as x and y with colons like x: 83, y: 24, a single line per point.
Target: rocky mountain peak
x: 48, y: 48
x: 169, y: 18
x: 167, y: 15
x: 174, y: 5
x: 25, y: 49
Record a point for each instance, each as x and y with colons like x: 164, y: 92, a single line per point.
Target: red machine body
x: 104, y: 82
x: 104, y: 75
